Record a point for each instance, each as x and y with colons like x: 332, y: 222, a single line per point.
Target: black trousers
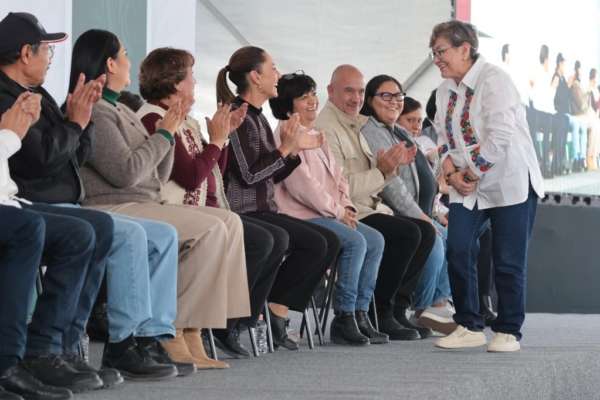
x: 408, y: 242
x: 265, y: 246
x: 312, y: 249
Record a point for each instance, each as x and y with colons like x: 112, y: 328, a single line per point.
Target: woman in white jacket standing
x: 489, y: 161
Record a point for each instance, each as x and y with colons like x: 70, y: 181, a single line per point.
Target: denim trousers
x: 75, y: 252
x: 579, y: 136
x: 434, y: 286
x: 358, y: 263
x: 511, y: 233
x: 141, y: 276
x: 22, y: 235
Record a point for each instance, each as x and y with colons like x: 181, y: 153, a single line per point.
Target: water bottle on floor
x: 260, y: 333
x: 84, y: 347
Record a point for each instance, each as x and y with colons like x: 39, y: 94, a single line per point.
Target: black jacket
x: 46, y: 168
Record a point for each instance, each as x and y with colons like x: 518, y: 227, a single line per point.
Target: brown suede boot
x: 591, y: 164
x: 194, y: 344
x: 178, y: 351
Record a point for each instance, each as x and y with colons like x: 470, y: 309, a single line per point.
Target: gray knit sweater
x: 128, y: 165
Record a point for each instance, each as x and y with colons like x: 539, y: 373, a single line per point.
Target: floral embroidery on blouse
x: 443, y: 149
x: 449, y: 114
x: 191, y: 197
x: 465, y: 123
x: 479, y: 161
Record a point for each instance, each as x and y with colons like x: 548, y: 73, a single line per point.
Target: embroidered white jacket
x: 482, y: 126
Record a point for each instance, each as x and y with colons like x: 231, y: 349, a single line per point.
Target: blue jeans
x: 141, y: 276
x: 434, y: 286
x: 358, y: 263
x: 578, y: 127
x: 511, y: 232
x: 22, y: 235
x: 76, y: 249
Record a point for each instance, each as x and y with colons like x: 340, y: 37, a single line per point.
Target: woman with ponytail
x: 254, y: 165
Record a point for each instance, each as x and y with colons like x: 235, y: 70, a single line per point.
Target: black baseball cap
x: 19, y: 29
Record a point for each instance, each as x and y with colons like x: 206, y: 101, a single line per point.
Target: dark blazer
x: 46, y: 168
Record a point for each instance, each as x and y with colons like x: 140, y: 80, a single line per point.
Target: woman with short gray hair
x: 489, y: 161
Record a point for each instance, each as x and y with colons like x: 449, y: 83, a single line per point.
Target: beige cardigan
x: 352, y: 152
x: 189, y: 131
x: 128, y: 165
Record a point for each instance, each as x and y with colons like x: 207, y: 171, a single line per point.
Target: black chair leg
x: 269, y: 330
x: 375, y: 314
x: 211, y: 343
x: 251, y: 331
x: 311, y: 344
x: 317, y: 322
x: 303, y: 325
x: 331, y: 283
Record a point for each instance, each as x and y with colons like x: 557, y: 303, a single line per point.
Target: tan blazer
x: 316, y: 188
x: 352, y: 152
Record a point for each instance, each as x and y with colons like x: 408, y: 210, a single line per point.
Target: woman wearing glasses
x: 317, y: 192
x: 255, y: 164
x: 166, y: 76
x: 489, y: 161
x: 383, y: 104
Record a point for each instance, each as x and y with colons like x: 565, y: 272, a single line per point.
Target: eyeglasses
x: 387, y: 96
x: 51, y: 51
x: 289, y: 77
x: 439, y: 53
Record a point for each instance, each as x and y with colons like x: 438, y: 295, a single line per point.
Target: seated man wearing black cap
x: 70, y: 284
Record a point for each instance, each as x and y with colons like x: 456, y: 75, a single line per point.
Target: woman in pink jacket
x: 317, y: 192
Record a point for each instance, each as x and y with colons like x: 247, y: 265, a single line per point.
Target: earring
x: 464, y: 59
x: 260, y: 88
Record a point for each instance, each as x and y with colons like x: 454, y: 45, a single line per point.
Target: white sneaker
x: 462, y: 337
x: 503, y: 342
x: 439, y: 319
x: 415, y: 321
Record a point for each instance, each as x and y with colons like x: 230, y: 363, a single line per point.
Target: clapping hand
x: 219, y: 127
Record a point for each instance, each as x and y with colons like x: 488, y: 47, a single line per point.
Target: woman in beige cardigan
x: 127, y: 174
x: 166, y: 76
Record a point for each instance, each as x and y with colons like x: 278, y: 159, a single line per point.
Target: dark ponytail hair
x: 577, y: 74
x: 90, y: 52
x: 243, y: 61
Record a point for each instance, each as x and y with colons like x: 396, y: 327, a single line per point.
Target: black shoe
x: 110, y: 377
x: 344, y: 330
x: 136, y: 363
x: 485, y: 309
x: 17, y: 380
x: 400, y: 316
x: 160, y: 355
x: 53, y: 370
x: 280, y: 337
x: 9, y: 396
x: 229, y: 342
x: 395, y: 331
x: 97, y: 325
x: 365, y: 327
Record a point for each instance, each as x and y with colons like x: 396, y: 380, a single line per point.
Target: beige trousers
x: 212, y: 283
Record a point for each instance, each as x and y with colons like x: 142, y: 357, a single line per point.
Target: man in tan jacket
x: 408, y: 241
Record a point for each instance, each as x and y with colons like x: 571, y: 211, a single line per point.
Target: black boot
x: 97, y: 325
x: 110, y: 377
x: 400, y: 316
x: 365, y: 327
x: 485, y: 309
x: 280, y: 337
x: 160, y: 355
x: 344, y: 330
x: 392, y: 328
x: 52, y: 370
x: 229, y: 342
x: 8, y: 396
x: 19, y: 381
x: 134, y: 362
